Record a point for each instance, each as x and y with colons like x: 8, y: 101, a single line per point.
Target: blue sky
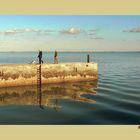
x: 70, y: 33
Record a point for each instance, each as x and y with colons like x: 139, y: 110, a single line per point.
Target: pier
x: 28, y: 74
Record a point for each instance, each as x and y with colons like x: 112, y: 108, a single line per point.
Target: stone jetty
x: 26, y: 74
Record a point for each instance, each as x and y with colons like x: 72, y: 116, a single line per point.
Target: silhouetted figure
x: 40, y: 57
x: 55, y: 57
x: 88, y: 58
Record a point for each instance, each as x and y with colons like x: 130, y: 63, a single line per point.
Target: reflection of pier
x: 49, y: 95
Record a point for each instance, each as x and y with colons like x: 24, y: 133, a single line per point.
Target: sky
x: 69, y: 33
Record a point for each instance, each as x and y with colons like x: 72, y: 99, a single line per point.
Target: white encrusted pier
x: 26, y: 74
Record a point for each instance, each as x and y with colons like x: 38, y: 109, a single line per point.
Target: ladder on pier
x: 39, y: 92
x: 39, y: 76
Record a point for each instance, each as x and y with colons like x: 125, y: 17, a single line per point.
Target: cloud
x: 26, y: 30
x: 93, y: 30
x: 49, y: 30
x: 19, y: 31
x: 71, y: 31
x: 126, y: 30
x: 30, y: 30
x: 134, y: 30
x: 11, y: 31
x: 91, y: 34
x: 97, y: 38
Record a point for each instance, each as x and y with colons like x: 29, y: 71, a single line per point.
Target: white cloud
x: 17, y: 31
x: 134, y: 30
x: 71, y: 31
x: 11, y: 31
x: 25, y: 30
x: 97, y: 38
x: 93, y: 30
x: 92, y: 33
x: 30, y: 30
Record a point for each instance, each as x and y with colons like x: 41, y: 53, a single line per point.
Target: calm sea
x: 113, y: 99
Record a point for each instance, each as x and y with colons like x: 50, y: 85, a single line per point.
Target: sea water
x: 117, y: 98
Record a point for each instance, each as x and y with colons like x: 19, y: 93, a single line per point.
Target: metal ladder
x: 39, y: 83
x: 39, y: 75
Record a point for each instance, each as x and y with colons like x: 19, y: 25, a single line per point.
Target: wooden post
x: 88, y: 58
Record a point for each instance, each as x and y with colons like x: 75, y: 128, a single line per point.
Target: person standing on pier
x: 55, y: 57
x: 88, y: 58
x: 40, y: 57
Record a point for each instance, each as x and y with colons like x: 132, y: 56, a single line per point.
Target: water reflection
x: 49, y: 95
